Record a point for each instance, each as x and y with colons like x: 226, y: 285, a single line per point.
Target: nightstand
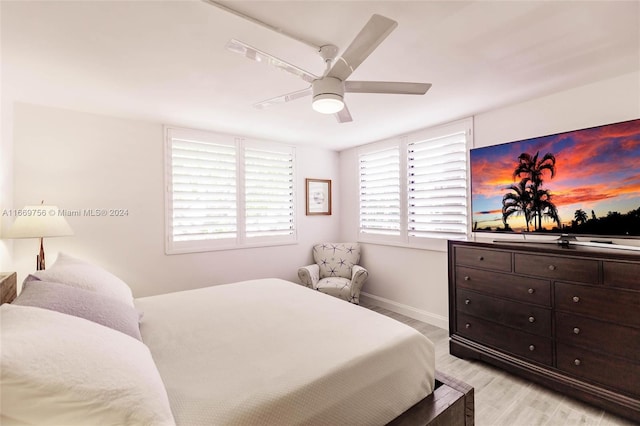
x: 8, y: 289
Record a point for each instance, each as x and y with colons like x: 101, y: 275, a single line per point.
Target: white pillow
x: 57, y: 369
x: 81, y: 303
x: 78, y: 273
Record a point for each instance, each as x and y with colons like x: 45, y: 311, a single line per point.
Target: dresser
x: 566, y: 317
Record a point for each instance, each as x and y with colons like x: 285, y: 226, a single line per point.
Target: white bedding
x: 271, y: 352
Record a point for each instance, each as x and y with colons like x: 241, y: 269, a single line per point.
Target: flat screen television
x: 579, y: 183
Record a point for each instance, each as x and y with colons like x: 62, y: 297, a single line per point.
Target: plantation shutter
x: 380, y: 192
x: 225, y: 192
x: 203, y: 190
x: 437, y: 191
x: 269, y: 193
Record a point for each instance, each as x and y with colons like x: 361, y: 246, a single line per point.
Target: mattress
x: 273, y: 352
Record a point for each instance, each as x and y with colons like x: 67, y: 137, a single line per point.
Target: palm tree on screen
x: 580, y: 216
x: 546, y: 207
x: 517, y: 202
x: 534, y: 168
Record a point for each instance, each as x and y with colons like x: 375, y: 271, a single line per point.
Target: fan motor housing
x: 328, y: 86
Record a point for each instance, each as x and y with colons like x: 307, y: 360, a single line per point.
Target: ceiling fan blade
x: 386, y: 87
x: 285, y: 98
x: 343, y: 116
x: 260, y: 56
x: 373, y: 33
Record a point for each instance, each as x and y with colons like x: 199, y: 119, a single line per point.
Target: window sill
x: 170, y: 251
x: 430, y: 244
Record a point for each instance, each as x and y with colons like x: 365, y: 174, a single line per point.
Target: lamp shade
x: 38, y: 222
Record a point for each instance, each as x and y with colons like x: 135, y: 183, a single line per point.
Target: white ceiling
x: 165, y: 61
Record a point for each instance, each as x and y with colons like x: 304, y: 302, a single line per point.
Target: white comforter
x: 271, y: 352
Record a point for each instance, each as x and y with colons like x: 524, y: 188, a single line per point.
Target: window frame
x: 240, y: 241
x: 403, y: 143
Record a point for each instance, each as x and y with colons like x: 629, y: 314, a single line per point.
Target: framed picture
x: 318, y: 196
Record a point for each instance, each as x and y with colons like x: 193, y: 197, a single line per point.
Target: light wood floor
x: 502, y: 398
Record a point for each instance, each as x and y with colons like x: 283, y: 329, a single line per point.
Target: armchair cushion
x: 335, y: 286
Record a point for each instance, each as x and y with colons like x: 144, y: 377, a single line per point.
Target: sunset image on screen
x: 580, y: 182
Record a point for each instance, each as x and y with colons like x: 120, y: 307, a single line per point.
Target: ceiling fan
x: 328, y: 90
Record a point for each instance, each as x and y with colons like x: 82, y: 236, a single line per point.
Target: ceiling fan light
x: 327, y: 103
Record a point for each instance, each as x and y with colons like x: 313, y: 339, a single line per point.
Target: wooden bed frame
x: 450, y: 404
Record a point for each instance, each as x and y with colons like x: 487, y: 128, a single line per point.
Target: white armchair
x: 336, y: 271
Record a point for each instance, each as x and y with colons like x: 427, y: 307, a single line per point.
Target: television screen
x: 583, y: 182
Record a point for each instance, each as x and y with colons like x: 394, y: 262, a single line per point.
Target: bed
x: 258, y: 352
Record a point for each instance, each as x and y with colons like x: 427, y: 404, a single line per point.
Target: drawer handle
x: 552, y: 267
x: 481, y: 258
x: 467, y: 301
x: 575, y: 299
x: 467, y: 325
x: 531, y: 290
x: 532, y: 319
x: 532, y: 348
x: 576, y: 330
x: 467, y: 278
x: 577, y: 362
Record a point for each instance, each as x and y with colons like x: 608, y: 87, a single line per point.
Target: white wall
x: 78, y: 160
x: 607, y: 101
x: 413, y: 281
x: 7, y: 92
x: 6, y: 181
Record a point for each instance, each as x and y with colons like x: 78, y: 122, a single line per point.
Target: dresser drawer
x: 601, y: 303
x: 621, y: 274
x: 488, y: 259
x: 600, y: 336
x: 557, y: 268
x: 524, y: 289
x: 530, y: 346
x: 610, y: 371
x: 529, y: 318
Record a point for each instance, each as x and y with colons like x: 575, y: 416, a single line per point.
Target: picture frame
x: 318, y: 199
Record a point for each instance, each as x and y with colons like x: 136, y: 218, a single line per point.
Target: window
x: 414, y: 188
x: 225, y: 192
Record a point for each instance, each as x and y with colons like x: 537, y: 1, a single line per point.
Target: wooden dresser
x: 565, y: 317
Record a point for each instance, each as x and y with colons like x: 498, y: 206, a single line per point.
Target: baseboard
x: 410, y: 311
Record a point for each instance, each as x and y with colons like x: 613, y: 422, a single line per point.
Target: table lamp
x: 39, y: 222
